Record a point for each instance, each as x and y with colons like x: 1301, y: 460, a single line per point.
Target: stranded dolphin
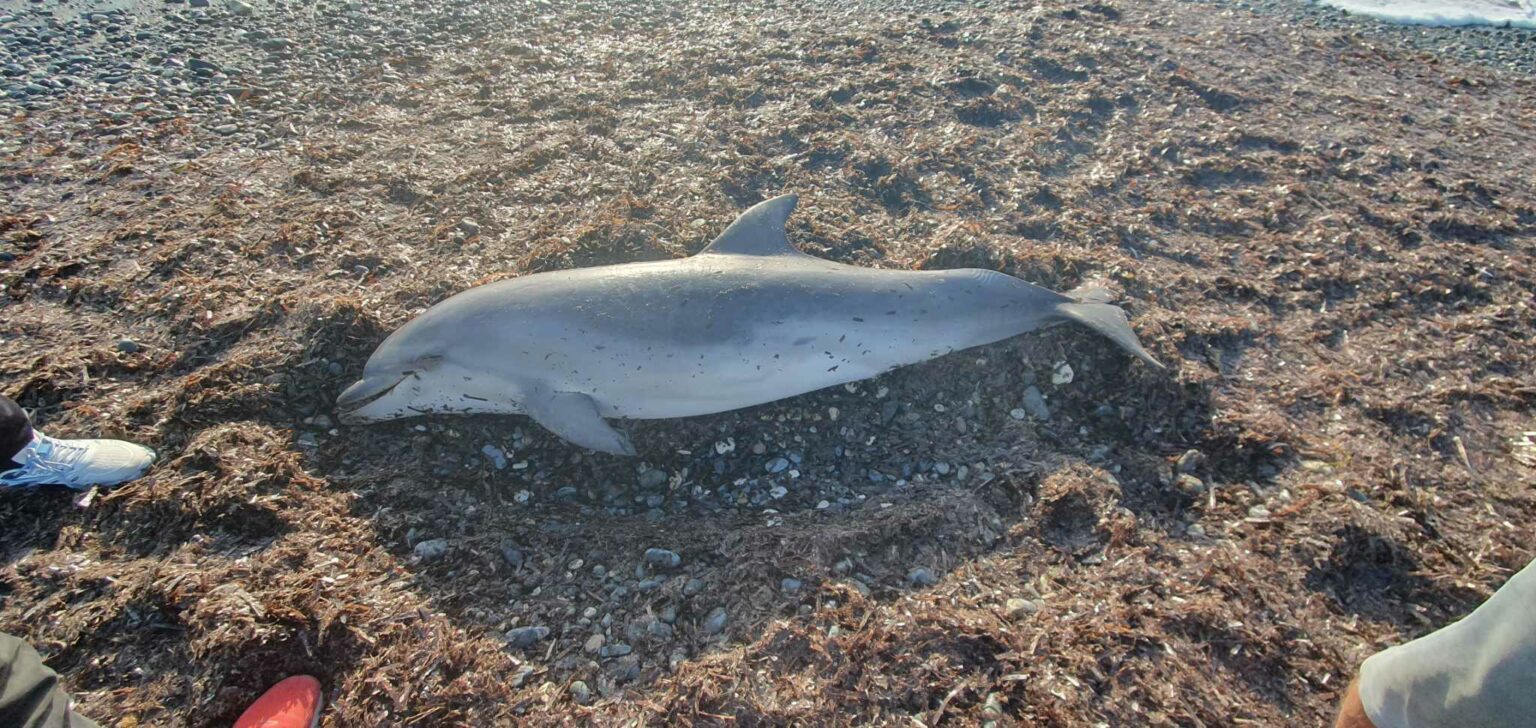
x: 748, y: 320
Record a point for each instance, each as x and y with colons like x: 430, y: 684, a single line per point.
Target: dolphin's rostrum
x: 748, y: 320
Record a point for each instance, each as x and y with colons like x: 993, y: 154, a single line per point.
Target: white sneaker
x: 78, y: 464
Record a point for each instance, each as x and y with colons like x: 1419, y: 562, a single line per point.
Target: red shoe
x: 292, y: 703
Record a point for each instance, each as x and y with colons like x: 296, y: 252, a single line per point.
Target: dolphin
x: 750, y: 319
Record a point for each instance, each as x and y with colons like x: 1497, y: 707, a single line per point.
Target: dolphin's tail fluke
x: 1107, y: 319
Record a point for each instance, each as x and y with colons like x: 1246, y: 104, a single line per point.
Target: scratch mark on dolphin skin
x: 890, y: 313
x: 473, y: 397
x: 842, y: 338
x: 856, y: 318
x: 802, y: 341
x: 833, y: 369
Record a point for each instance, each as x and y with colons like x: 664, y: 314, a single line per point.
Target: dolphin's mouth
x: 361, y: 394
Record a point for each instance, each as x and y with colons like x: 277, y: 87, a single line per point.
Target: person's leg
x: 29, y: 692
x: 29, y: 458
x: 15, y: 432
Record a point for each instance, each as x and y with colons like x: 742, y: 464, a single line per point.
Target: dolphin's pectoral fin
x: 759, y: 230
x: 573, y: 416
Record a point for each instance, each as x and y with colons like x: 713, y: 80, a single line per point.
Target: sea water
x: 1513, y: 13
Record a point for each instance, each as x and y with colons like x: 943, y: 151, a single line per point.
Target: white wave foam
x: 1515, y: 13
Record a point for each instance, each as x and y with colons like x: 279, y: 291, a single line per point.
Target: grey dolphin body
x: 748, y: 320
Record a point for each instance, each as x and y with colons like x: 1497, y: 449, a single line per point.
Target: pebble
x: 617, y: 649
x: 593, y: 643
x: 1189, y: 484
x: 1017, y: 413
x: 1190, y: 461
x: 1062, y: 374
x: 776, y: 465
x: 922, y: 576
x: 662, y: 558
x: 495, y: 455
x: 1017, y: 608
x: 128, y: 346
x: 790, y: 585
x: 1034, y: 404
x: 203, y: 67
x: 580, y: 692
x: 715, y: 622
x: 512, y: 555
x: 522, y: 637
x: 652, y: 478
x: 431, y: 549
x: 1195, y: 530
x: 692, y: 587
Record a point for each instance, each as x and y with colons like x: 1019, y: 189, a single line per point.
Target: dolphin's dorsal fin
x: 759, y: 230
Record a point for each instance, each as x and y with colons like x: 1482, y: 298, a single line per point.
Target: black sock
x: 15, y: 432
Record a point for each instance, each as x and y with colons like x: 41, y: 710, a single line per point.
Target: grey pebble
x: 715, y: 622
x: 1017, y: 608
x: 128, y: 346
x: 1034, y: 404
x: 922, y: 576
x: 617, y: 649
x: 512, y: 554
x: 431, y: 549
x: 790, y: 585
x: 521, y: 637
x: 580, y: 692
x: 652, y: 478
x: 776, y: 465
x: 662, y: 558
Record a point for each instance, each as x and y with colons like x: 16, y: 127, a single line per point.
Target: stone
x: 714, y: 623
x: 790, y: 585
x: 617, y: 649
x: 662, y: 558
x: 1034, y: 404
x: 652, y: 478
x: 522, y: 637
x: 1017, y: 608
x: 580, y: 692
x: 202, y: 67
x: 922, y: 576
x: 495, y: 455
x: 1062, y: 374
x: 1190, y: 461
x: 431, y: 549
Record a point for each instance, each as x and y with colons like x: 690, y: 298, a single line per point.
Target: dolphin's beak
x: 362, y: 393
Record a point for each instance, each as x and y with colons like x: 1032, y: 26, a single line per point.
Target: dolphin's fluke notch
x: 1109, y: 320
x: 758, y: 231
